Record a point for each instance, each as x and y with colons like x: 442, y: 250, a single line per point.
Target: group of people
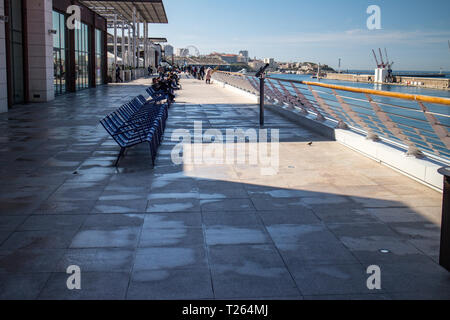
x: 200, y: 73
x: 168, y: 82
x: 161, y: 72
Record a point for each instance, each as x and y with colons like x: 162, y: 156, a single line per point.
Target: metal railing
x: 418, y: 124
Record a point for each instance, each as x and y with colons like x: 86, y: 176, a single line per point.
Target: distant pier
x: 409, y: 80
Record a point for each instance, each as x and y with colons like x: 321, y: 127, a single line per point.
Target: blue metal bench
x: 155, y: 95
x: 138, y: 121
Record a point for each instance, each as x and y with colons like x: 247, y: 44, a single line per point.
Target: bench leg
x: 152, y: 155
x: 121, y: 153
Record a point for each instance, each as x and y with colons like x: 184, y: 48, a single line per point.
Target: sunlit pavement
x: 199, y: 231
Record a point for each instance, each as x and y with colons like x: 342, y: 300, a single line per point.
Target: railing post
x: 261, y: 99
x: 444, y: 256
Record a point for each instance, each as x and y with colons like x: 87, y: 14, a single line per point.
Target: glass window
x: 16, y: 52
x: 59, y: 53
x: 82, y: 53
x: 98, y: 56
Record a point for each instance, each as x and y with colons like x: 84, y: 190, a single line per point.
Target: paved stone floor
x: 203, y: 231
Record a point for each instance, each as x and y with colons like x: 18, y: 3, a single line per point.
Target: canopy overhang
x: 149, y: 11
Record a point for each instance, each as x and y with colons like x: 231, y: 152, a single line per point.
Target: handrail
x: 398, y: 95
x: 233, y: 73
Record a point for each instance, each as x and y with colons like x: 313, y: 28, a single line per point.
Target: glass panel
x: 63, y: 71
x: 98, y: 56
x: 16, y: 50
x: 82, y: 57
x: 55, y: 70
x: 16, y: 15
x: 18, y: 73
x: 62, y: 27
x: 56, y: 37
x: 77, y: 69
x: 59, y: 52
x: 76, y: 39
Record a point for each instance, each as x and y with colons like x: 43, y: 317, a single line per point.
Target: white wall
x: 40, y: 50
x: 3, y: 82
x: 420, y: 170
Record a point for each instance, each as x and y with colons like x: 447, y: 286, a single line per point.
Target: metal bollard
x: 444, y: 256
x: 261, y: 75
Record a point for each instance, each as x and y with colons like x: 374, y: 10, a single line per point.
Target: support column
x: 129, y: 60
x: 115, y: 48
x: 138, y: 42
x: 134, y: 37
x: 145, y: 45
x: 123, y: 42
x: 40, y: 50
x: 3, y: 81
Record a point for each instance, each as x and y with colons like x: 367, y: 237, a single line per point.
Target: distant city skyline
x: 415, y: 33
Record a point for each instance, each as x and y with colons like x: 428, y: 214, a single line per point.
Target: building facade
x: 168, y: 50
x: 243, y: 56
x: 156, y: 53
x: 229, y: 58
x: 270, y: 61
x: 40, y: 57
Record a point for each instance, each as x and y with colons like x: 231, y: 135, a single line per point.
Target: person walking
x: 150, y: 70
x: 118, y: 78
x: 202, y: 73
x: 208, y: 75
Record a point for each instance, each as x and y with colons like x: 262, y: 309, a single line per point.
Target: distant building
x: 243, y: 56
x: 182, y: 52
x: 244, y: 53
x: 230, y: 58
x: 270, y: 61
x: 155, y: 52
x: 256, y: 64
x: 168, y: 49
x: 306, y: 68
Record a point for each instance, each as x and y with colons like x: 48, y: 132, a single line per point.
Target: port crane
x: 383, y: 67
x: 376, y: 60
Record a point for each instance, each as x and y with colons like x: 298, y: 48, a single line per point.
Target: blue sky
x: 416, y: 33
